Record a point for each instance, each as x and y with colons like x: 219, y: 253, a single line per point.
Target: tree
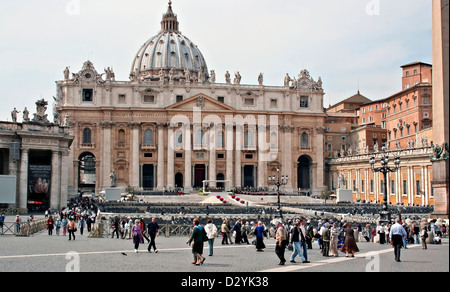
x: 325, y: 194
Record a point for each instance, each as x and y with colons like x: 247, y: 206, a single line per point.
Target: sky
x: 351, y: 44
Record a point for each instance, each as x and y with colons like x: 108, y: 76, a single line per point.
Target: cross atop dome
x: 170, y: 21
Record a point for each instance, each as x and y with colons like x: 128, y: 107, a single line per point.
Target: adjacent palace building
x: 175, y: 124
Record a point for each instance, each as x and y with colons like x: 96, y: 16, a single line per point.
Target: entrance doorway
x: 199, y: 175
x: 148, y: 177
x: 179, y: 183
x: 220, y: 185
x: 304, y: 172
x: 249, y: 176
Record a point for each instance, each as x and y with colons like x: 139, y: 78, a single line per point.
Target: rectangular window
x: 122, y: 98
x: 273, y: 103
x: 148, y: 155
x: 179, y: 98
x: 392, y: 186
x: 220, y: 156
x: 88, y: 95
x: 149, y: 98
x: 362, y: 186
x: 418, y: 190
x: 221, y: 99
x: 304, y: 101
x: 249, y: 101
x: 405, y: 187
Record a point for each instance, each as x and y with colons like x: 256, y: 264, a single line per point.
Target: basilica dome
x: 169, y: 54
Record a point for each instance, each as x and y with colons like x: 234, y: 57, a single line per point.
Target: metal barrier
x: 103, y: 229
x: 23, y: 228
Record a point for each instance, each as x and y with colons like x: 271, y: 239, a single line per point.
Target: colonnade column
x: 23, y: 193
x: 55, y: 188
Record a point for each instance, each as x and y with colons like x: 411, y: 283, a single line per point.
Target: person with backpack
x: 415, y: 230
x: 424, y: 236
x: 211, y: 232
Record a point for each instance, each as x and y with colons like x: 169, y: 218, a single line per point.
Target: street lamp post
x: 385, y: 216
x: 279, y: 182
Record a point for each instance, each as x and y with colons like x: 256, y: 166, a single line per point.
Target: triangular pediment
x: 202, y: 101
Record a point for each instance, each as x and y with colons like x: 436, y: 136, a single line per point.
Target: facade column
x: 320, y: 169
x: 229, y: 149
x: 287, y: 157
x: 237, y: 159
x: 55, y: 188
x: 212, y: 156
x: 263, y: 157
x: 411, y: 182
x: 188, y: 158
x: 23, y: 192
x: 135, y: 165
x: 106, y: 160
x: 64, y: 179
x: 160, y: 167
x: 170, y: 159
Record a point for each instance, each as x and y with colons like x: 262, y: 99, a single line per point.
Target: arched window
x: 121, y: 138
x: 87, y: 139
x: 305, y: 140
x: 148, y: 137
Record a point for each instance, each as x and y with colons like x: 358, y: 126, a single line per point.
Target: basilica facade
x: 175, y: 124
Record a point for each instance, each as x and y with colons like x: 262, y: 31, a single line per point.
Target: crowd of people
x: 332, y: 237
x: 295, y: 235
x: 80, y: 213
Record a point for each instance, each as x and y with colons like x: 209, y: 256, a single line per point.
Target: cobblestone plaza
x: 44, y: 253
